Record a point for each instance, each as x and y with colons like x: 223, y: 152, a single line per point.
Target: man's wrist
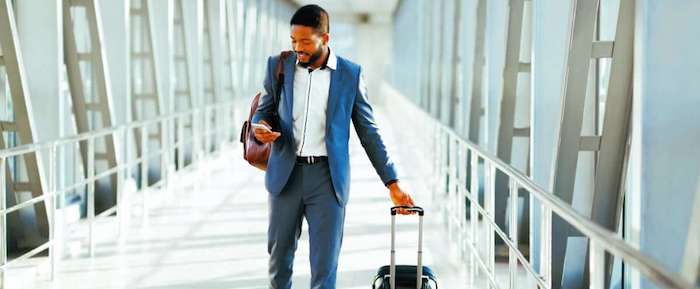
x: 391, y: 182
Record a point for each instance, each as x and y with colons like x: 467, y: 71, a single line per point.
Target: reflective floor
x: 209, y: 231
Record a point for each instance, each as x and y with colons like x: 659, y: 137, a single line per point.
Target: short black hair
x: 311, y: 16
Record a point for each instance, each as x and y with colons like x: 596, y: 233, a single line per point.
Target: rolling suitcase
x: 405, y: 276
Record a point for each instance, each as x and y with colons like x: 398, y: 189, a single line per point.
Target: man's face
x: 308, y: 43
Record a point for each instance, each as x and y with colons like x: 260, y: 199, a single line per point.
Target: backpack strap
x: 279, y: 77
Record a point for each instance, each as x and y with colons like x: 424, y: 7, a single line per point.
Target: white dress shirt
x: 311, y: 88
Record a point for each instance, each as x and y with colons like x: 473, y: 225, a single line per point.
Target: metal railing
x: 170, y: 153
x: 458, y: 168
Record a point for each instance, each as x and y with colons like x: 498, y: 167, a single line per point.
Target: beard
x: 313, y: 58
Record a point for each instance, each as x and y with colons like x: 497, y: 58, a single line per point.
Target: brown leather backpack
x: 254, y: 151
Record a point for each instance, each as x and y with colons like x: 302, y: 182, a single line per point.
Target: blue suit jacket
x: 346, y: 101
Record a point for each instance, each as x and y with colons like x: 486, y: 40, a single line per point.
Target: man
x: 308, y: 172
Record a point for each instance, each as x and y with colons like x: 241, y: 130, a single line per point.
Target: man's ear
x: 325, y: 37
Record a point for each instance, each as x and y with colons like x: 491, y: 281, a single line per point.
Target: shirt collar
x: 331, y: 61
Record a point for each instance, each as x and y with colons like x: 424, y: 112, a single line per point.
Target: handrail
x: 197, y: 139
x: 606, y: 239
x: 601, y: 239
x: 32, y: 147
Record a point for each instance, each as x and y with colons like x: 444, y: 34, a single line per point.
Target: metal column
x: 182, y: 87
x: 25, y: 176
x: 231, y: 75
x: 146, y: 101
x: 691, y: 263
x: 435, y: 62
x: 476, y: 109
x: 426, y: 56
x: 509, y: 101
x: 209, y: 80
x: 259, y: 62
x: 90, y: 91
x: 432, y: 44
x: 454, y: 94
x: 247, y: 41
x: 238, y: 33
x: 610, y: 146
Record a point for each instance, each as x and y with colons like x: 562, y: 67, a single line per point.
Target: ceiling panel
x: 354, y: 6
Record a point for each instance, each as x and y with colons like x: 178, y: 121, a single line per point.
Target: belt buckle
x: 310, y: 159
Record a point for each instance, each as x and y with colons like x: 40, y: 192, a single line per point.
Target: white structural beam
x: 476, y: 109
x: 210, y: 81
x: 609, y: 147
x: 92, y: 108
x: 146, y: 98
x: 27, y: 173
x: 691, y: 261
x: 229, y: 78
x: 183, y: 98
x: 513, y: 100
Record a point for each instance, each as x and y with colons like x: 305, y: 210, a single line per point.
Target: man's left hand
x: 400, y: 198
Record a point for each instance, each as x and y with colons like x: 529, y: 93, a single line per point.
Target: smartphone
x: 261, y: 127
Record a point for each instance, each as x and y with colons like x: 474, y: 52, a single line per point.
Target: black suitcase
x: 405, y: 276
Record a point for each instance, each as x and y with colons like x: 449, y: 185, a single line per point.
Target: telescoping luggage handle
x: 419, y: 268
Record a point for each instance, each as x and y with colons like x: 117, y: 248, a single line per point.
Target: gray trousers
x: 308, y: 194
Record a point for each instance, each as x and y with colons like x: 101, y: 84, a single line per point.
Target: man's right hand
x: 266, y: 136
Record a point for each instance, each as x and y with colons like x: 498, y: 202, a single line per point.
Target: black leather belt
x: 311, y: 159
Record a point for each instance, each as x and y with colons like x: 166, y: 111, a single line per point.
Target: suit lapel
x: 333, y: 93
x: 289, y: 86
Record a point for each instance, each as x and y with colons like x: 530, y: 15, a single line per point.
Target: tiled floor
x: 209, y: 231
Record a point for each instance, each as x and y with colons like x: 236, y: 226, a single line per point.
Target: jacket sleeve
x: 266, y: 106
x: 368, y: 132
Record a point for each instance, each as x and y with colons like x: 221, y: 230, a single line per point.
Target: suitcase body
x: 405, y: 276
